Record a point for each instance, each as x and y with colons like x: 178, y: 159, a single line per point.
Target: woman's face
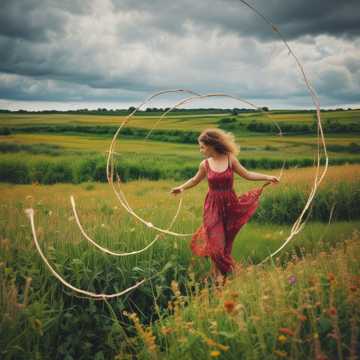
x: 205, y: 149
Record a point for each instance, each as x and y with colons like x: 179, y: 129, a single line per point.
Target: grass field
x: 42, y: 320
x: 173, y: 120
x: 308, y: 290
x: 253, y: 146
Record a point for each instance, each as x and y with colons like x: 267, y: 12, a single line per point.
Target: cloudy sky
x: 73, y: 54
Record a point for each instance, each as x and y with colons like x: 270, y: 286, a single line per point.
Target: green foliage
x: 283, y: 207
x: 5, y: 131
x: 48, y: 149
x: 330, y: 126
x: 93, y: 168
x: 53, y: 323
x: 16, y: 172
x: 179, y: 136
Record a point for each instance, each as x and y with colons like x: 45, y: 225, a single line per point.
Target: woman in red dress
x: 224, y: 212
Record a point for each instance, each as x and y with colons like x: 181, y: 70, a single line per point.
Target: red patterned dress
x: 224, y: 214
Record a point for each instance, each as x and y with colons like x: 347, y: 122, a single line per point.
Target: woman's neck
x: 218, y: 156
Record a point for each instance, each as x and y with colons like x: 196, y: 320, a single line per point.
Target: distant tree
x: 131, y: 109
x: 234, y: 112
x: 265, y: 108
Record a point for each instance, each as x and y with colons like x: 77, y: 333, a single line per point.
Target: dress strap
x: 229, y: 162
x: 206, y: 164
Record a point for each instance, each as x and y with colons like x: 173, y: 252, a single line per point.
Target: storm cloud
x: 120, y: 51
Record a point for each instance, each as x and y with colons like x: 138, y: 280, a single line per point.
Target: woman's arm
x: 200, y: 175
x: 249, y: 175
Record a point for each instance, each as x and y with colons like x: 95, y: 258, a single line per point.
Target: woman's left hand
x: 176, y: 190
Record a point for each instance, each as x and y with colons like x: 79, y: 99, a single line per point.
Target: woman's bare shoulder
x: 233, y: 158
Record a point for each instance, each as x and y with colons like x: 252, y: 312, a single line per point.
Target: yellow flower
x: 280, y: 353
x: 210, y: 342
x: 282, y: 338
x: 215, y: 353
x: 166, y: 330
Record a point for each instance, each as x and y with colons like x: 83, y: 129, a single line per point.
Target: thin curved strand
x: 197, y: 97
x: 107, y: 251
x: 30, y: 214
x: 121, y: 197
x: 298, y: 226
x: 127, y: 119
x: 147, y: 223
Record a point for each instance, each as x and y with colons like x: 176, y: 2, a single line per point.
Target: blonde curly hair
x: 223, y: 142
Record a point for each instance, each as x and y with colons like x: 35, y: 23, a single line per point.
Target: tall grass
x: 306, y: 309
x: 39, y: 318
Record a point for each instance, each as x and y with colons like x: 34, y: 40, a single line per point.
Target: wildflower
x: 331, y: 277
x: 166, y: 330
x: 102, y: 225
x: 321, y: 357
x: 286, y: 331
x: 292, y: 280
x: 223, y: 347
x: 215, y: 353
x: 332, y: 311
x: 280, y: 353
x: 302, y: 317
x: 282, y: 338
x: 210, y: 342
x: 229, y: 306
x: 353, y: 288
x: 175, y: 288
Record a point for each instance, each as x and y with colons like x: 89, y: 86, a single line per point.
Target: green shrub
x: 16, y: 172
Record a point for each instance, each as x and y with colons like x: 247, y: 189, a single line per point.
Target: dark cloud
x: 294, y: 19
x: 28, y: 20
x: 104, y: 50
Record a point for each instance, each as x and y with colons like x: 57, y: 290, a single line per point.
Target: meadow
x: 303, y: 304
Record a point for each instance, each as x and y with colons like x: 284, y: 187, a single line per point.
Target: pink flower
x: 292, y: 279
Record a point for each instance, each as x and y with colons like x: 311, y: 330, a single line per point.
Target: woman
x: 224, y: 213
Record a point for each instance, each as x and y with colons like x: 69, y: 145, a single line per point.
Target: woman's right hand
x: 176, y: 190
x: 273, y: 179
